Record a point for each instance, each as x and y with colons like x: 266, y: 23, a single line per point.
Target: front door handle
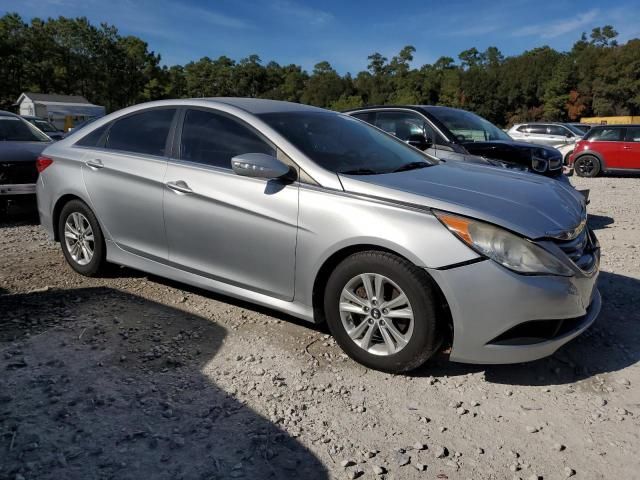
x: 94, y: 163
x: 179, y: 186
x: 626, y: 147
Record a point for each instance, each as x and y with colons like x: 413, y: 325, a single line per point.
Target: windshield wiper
x: 412, y: 166
x: 359, y: 171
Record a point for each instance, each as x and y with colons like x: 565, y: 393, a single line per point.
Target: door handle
x: 95, y: 164
x: 626, y: 147
x: 179, y: 186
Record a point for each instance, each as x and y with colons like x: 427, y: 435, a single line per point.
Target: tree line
x: 598, y: 76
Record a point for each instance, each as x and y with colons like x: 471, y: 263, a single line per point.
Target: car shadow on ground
x: 98, y: 383
x: 610, y: 345
x: 20, y: 212
x: 599, y: 222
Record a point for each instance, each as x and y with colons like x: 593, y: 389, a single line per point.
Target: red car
x: 607, y: 148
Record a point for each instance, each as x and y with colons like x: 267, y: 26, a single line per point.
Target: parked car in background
x: 607, y: 148
x: 325, y: 217
x: 46, y: 126
x: 80, y: 125
x: 551, y: 134
x: 451, y: 134
x: 20, y: 145
x: 583, y: 127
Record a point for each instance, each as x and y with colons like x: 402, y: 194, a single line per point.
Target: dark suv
x: 454, y: 134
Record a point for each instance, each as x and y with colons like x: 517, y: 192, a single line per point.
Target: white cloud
x: 560, y: 27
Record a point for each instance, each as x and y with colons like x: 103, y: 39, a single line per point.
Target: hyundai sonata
x: 328, y: 218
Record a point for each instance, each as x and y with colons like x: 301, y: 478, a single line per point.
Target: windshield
x: 14, y: 129
x: 575, y: 129
x: 343, y: 144
x: 468, y: 127
x: 44, y: 125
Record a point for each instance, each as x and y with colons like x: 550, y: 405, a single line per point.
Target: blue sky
x: 342, y: 32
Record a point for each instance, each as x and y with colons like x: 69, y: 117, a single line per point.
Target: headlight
x: 543, y: 159
x: 509, y: 250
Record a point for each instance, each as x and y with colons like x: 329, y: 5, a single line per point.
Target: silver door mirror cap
x: 259, y: 165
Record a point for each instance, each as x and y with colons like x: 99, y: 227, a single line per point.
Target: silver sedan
x: 327, y: 218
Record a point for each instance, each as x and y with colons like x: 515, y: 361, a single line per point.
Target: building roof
x: 53, y: 97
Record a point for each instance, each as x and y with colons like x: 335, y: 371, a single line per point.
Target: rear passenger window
x: 606, y: 134
x: 538, y: 129
x: 213, y: 139
x: 95, y: 138
x: 368, y: 117
x: 145, y: 132
x: 633, y: 134
x: 558, y: 130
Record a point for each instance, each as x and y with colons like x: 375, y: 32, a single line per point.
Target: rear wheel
x: 81, y: 238
x: 587, y: 166
x: 381, y: 309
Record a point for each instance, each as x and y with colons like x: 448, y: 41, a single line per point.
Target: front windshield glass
x: 575, y: 129
x: 469, y: 127
x: 14, y: 129
x: 44, y: 126
x: 343, y: 144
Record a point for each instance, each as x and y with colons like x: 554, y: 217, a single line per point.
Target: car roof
x: 4, y: 113
x: 618, y: 125
x: 261, y: 105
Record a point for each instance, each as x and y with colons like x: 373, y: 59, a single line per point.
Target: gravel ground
x: 131, y: 376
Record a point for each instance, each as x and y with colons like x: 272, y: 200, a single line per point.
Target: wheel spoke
x: 368, y: 287
x: 352, y: 297
x: 351, y: 308
x: 397, y: 336
x: 400, y: 313
x: 388, y: 341
x: 356, y: 332
x: 70, y: 234
x: 378, y: 290
x: 366, y: 339
x: 399, y: 301
x: 88, y: 237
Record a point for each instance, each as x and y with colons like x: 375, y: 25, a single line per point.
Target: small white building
x: 63, y: 111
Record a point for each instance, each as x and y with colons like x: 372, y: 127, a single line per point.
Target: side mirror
x: 419, y: 141
x: 258, y: 165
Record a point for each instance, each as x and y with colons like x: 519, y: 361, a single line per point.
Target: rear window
x: 605, y: 134
x: 145, y: 132
x: 14, y: 129
x: 633, y: 134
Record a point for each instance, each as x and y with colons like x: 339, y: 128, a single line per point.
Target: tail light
x: 42, y: 163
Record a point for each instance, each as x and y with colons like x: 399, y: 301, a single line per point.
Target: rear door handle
x: 179, y: 186
x: 626, y: 147
x: 94, y: 163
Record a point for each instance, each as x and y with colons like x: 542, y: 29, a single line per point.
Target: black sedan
x: 46, y: 126
x: 458, y: 135
x: 20, y: 146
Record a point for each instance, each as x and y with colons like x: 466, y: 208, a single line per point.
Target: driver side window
x: 213, y: 139
x: 403, y: 124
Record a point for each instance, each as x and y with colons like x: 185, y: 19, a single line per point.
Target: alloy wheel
x: 376, y: 314
x: 78, y: 238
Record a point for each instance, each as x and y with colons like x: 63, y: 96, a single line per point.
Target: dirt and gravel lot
x: 132, y: 376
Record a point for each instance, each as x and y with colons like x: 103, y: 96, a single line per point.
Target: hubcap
x: 376, y: 314
x: 585, y: 165
x: 78, y: 238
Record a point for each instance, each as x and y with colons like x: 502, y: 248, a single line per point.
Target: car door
x: 559, y: 135
x: 537, y: 133
x: 124, y: 178
x: 235, y: 229
x: 609, y: 143
x: 631, y: 149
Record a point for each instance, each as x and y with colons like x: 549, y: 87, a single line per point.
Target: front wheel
x: 587, y: 166
x: 81, y: 239
x: 381, y: 309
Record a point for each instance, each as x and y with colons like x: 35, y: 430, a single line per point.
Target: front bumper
x: 18, y: 189
x: 502, y: 317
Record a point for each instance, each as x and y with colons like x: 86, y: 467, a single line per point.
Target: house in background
x: 64, y: 111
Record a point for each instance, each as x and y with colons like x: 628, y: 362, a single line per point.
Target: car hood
x: 21, y: 151
x: 532, y: 205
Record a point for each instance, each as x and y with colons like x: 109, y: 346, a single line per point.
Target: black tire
x: 587, y: 166
x: 419, y: 289
x: 98, y: 260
